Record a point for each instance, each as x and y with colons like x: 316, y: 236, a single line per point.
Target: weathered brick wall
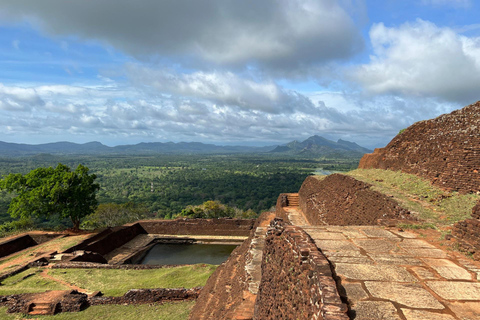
x: 226, y: 290
x: 220, y: 227
x: 116, y: 239
x: 467, y: 233
x: 16, y: 244
x: 342, y: 200
x: 476, y: 211
x: 445, y: 150
x: 468, y: 236
x: 281, y: 203
x: 297, y: 281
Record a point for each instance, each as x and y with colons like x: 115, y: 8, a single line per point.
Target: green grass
x: 429, y: 203
x: 167, y: 311
x: 28, y: 281
x: 117, y: 282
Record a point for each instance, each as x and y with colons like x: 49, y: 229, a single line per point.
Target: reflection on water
x: 162, y: 254
x: 321, y: 172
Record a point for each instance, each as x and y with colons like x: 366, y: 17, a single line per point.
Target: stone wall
x: 24, y: 241
x: 476, y: 211
x: 281, y: 204
x: 226, y: 292
x: 342, y: 200
x: 297, y: 281
x: 16, y: 244
x: 444, y: 150
x: 467, y: 233
x: 115, y: 239
x: 220, y: 227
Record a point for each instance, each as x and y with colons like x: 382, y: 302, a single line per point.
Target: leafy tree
x: 214, y: 209
x: 112, y: 214
x: 48, y: 191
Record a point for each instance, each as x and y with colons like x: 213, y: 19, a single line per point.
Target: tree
x: 112, y: 214
x: 48, y: 191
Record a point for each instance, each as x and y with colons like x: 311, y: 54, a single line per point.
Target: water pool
x: 162, y: 254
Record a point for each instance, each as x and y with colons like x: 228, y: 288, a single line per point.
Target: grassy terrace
x: 109, y: 282
x: 438, y: 208
x: 170, y: 311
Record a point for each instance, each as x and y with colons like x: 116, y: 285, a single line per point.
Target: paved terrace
x: 391, y: 275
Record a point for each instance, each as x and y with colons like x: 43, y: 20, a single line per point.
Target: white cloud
x: 420, y: 59
x: 281, y: 35
x: 221, y: 88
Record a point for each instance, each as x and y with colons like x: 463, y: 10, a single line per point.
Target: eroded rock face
x: 444, y: 150
x: 342, y: 200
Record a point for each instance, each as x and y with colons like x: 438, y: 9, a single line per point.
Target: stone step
x: 40, y: 309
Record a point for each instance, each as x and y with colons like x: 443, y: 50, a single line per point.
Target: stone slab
x: 416, y: 243
x: 407, y: 294
x: 376, y: 232
x: 425, y: 315
x: 350, y: 260
x: 456, y: 290
x: 322, y: 235
x: 404, y: 234
x: 354, y: 292
x: 424, y: 274
x: 376, y: 245
x: 393, y: 259
x: 465, y: 310
x: 426, y: 253
x: 375, y: 310
x: 448, y: 270
x: 345, y: 253
x: 336, y: 245
x: 373, y: 272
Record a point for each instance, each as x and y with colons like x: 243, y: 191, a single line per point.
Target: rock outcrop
x: 444, y: 150
x: 342, y: 200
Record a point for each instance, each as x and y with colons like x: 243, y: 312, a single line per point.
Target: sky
x: 231, y: 72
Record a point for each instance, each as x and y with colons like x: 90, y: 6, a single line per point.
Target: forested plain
x: 166, y: 184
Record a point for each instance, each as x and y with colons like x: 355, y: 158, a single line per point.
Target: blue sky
x: 232, y: 72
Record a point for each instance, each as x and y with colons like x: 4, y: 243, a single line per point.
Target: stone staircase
x: 40, y: 309
x: 293, y: 200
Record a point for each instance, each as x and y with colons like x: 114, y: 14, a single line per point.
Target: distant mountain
x: 314, y: 146
x: 97, y: 148
x: 319, y: 146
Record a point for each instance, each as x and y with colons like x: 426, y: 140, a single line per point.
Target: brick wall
x: 342, y: 200
x: 467, y: 233
x: 220, y: 227
x: 115, y: 239
x: 16, y: 244
x: 444, y: 150
x: 281, y: 203
x: 297, y: 281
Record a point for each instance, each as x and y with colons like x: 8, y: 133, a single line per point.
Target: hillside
x: 319, y: 146
x: 314, y: 145
x: 444, y: 150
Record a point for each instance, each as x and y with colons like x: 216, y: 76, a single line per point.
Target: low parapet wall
x: 111, y: 239
x: 24, y: 241
x: 115, y: 239
x: 218, y: 227
x: 282, y: 202
x: 342, y: 200
x: 297, y: 281
x: 467, y: 233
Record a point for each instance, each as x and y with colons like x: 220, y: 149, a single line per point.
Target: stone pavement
x: 387, y: 274
x: 391, y: 275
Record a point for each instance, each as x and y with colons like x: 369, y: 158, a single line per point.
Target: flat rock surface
x: 389, y: 274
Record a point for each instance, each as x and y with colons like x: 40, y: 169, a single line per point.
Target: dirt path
x: 46, y: 275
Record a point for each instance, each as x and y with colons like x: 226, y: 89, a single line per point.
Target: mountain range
x: 315, y: 145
